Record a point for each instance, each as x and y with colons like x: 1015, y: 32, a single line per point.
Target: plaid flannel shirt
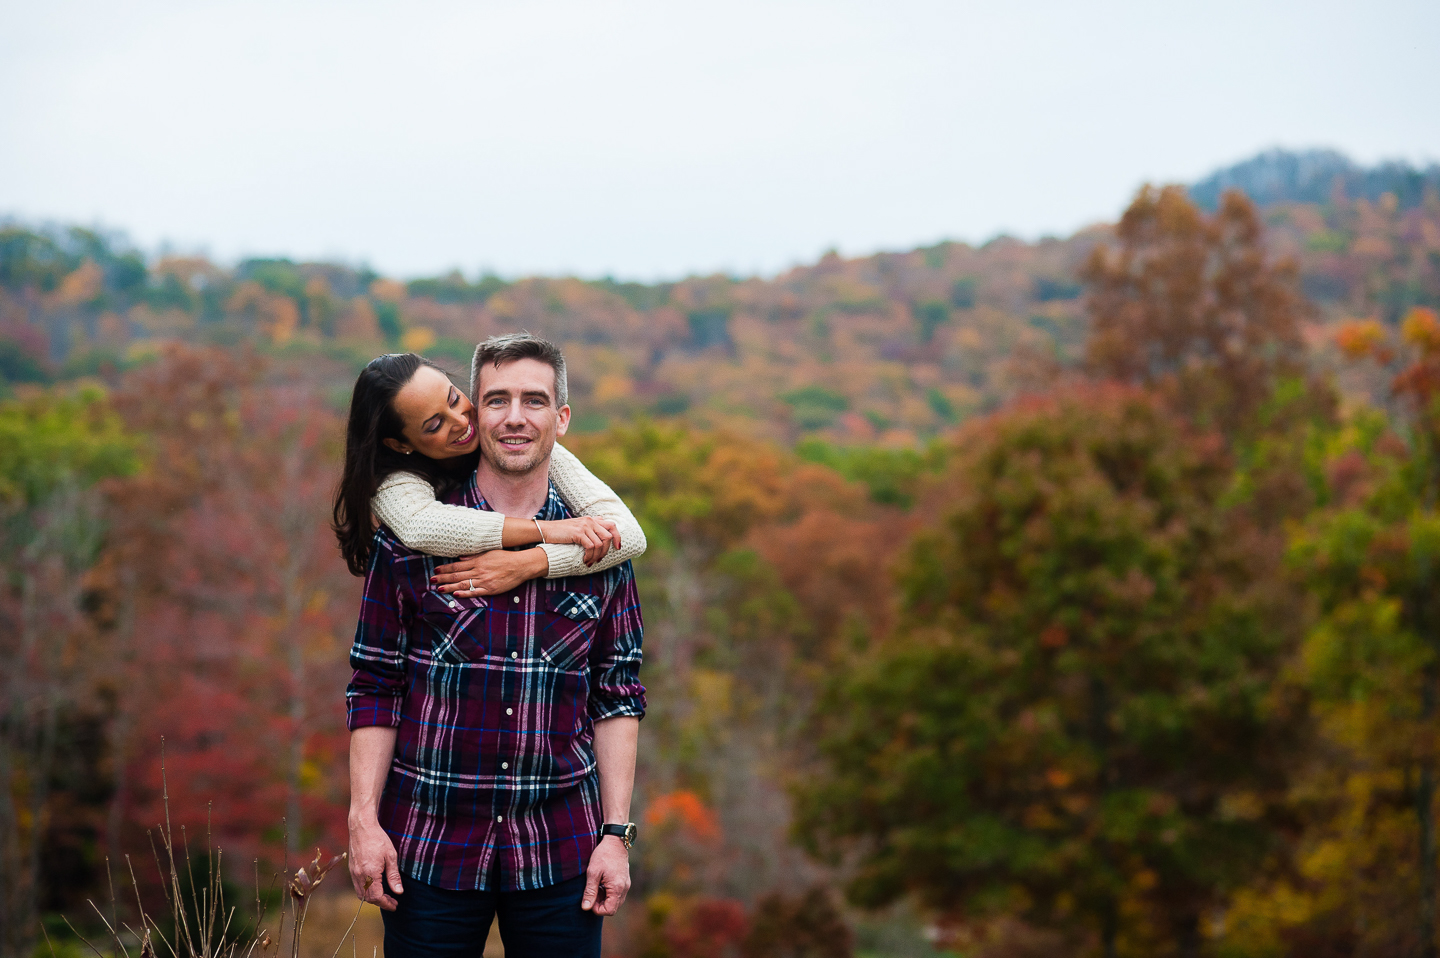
x: 494, y: 784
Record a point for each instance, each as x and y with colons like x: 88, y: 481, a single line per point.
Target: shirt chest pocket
x: 570, y: 620
x: 458, y: 628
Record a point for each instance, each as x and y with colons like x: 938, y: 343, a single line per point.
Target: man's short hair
x: 511, y: 346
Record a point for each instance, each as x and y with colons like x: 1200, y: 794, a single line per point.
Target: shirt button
x: 504, y: 764
x: 514, y: 655
x: 509, y: 711
x: 515, y: 599
x: 499, y: 818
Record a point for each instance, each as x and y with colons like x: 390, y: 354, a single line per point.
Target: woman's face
x: 438, y: 419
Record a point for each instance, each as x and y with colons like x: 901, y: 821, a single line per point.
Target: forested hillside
x: 892, y: 348
x: 1074, y: 597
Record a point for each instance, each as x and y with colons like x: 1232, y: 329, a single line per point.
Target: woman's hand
x: 490, y: 573
x: 595, y: 536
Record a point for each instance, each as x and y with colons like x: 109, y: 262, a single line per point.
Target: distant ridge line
x: 1314, y: 176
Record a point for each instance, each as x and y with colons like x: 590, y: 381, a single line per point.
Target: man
x: 492, y: 748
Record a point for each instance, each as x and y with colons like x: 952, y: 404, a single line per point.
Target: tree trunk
x: 1187, y: 937
x: 121, y: 727
x: 1109, y: 927
x: 1425, y: 811
x: 40, y: 801
x: 25, y: 751
x: 293, y: 821
x: 11, y: 921
x: 29, y: 743
x: 291, y: 634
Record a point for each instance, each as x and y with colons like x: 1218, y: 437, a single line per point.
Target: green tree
x: 815, y: 406
x: 33, y: 260
x: 962, y: 293
x: 388, y: 316
x: 931, y: 314
x: 1071, y: 721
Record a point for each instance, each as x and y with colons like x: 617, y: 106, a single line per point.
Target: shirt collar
x: 554, y: 507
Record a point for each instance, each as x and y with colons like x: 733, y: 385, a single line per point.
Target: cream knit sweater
x: 406, y: 503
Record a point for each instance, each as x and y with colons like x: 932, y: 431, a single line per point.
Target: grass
x: 202, y: 923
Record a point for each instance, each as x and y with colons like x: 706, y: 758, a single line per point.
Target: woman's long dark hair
x: 368, y: 461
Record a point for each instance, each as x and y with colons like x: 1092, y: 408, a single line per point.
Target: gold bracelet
x: 540, y: 530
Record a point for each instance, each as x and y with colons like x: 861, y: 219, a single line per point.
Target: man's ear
x: 562, y: 421
x: 395, y: 446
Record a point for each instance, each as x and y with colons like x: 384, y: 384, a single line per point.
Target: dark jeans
x: 545, y: 923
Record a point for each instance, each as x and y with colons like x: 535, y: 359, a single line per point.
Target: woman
x: 411, y: 440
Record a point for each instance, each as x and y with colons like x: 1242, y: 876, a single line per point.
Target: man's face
x: 518, y: 418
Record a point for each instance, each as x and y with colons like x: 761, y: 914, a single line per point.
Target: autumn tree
x: 229, y: 593
x: 58, y: 444
x: 1195, y: 307
x: 1072, y: 721
x: 1364, y: 877
x: 759, y: 566
x: 1353, y: 880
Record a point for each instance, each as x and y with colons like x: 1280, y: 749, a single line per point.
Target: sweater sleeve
x: 407, y: 505
x: 586, y: 495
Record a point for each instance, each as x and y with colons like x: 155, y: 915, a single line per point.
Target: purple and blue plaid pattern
x: 493, y: 785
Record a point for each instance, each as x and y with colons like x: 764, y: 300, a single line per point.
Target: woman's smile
x: 468, y: 435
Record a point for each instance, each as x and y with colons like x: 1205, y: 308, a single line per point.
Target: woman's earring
x: 408, y: 451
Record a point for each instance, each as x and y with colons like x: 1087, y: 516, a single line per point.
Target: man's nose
x: 515, y: 414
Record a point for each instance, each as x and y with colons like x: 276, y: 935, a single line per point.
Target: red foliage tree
x: 230, y: 599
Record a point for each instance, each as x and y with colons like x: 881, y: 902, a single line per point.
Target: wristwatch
x: 626, y: 832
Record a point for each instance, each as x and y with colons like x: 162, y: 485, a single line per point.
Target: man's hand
x: 594, y: 535
x: 373, y: 863
x: 491, y: 572
x: 607, y: 880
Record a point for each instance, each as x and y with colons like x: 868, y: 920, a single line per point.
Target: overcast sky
x: 654, y: 139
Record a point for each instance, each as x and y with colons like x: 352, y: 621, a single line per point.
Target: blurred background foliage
x: 1061, y: 598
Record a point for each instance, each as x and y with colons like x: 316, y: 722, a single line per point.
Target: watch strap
x: 626, y: 832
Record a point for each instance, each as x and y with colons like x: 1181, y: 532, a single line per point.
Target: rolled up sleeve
x: 376, y: 693
x: 616, y: 654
